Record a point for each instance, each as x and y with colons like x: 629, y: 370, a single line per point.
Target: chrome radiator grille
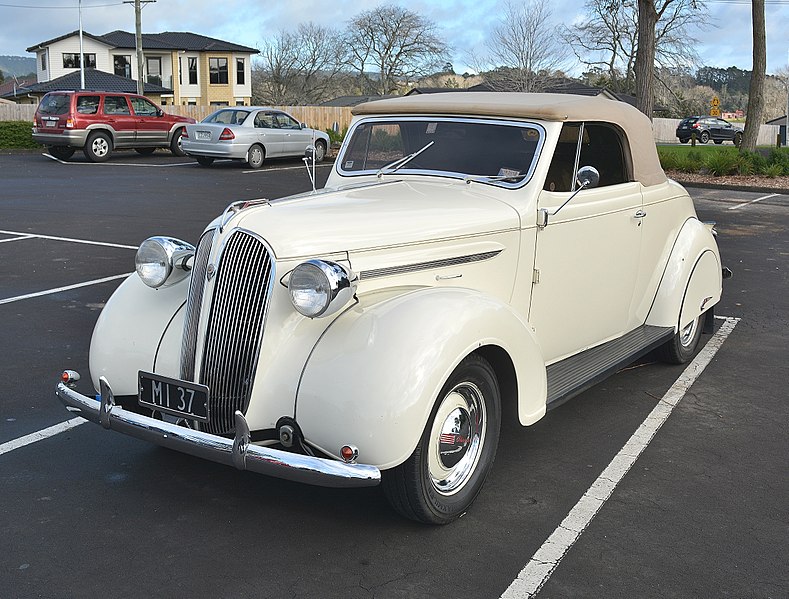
x: 234, y: 328
x: 193, y: 303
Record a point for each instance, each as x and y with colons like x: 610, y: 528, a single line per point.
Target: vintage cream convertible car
x: 469, y: 251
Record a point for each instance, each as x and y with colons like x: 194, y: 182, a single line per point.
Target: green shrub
x: 779, y: 158
x: 336, y: 137
x: 773, y: 170
x: 16, y: 135
x: 722, y: 163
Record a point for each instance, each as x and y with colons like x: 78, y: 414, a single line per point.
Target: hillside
x: 17, y: 65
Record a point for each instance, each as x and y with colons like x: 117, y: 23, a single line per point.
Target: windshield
x: 227, y: 117
x: 458, y: 147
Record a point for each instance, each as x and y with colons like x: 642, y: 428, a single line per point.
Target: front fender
x: 692, y: 280
x: 129, y: 330
x: 374, y: 376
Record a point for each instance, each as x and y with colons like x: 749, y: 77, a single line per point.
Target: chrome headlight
x: 161, y: 260
x: 320, y: 288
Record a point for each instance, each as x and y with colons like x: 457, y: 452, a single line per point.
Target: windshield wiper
x: 401, y: 162
x: 469, y: 179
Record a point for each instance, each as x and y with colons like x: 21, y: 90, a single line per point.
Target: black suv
x: 708, y: 128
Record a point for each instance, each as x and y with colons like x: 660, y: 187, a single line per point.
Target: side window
x: 602, y: 147
x: 285, y: 122
x: 87, y: 104
x: 143, y: 107
x: 115, y: 105
x: 264, y: 120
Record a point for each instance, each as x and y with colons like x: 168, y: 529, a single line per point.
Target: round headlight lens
x: 153, y: 263
x: 310, y: 289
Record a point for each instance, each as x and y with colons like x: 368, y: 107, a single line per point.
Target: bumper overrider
x: 238, y: 452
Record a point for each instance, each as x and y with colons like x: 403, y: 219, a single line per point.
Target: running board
x: 577, y: 373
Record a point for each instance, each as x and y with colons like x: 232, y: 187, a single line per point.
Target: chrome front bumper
x: 238, y: 452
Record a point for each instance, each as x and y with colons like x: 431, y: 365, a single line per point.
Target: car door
x: 117, y: 113
x: 587, y: 257
x: 726, y: 130
x: 152, y: 129
x: 296, y: 139
x: 269, y: 133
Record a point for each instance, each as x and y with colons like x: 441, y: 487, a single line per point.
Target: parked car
x: 469, y: 252
x: 251, y: 134
x: 708, y: 128
x: 100, y: 122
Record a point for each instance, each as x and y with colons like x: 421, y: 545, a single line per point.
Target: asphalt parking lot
x: 702, y: 512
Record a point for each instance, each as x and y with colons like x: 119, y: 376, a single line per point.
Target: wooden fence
x: 324, y: 117
x: 317, y: 117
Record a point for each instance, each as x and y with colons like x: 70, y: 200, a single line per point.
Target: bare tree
x: 755, y: 110
x: 298, y: 67
x: 399, y: 45
x: 607, y: 41
x: 523, y: 50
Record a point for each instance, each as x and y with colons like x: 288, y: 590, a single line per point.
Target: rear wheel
x: 175, y: 143
x: 98, y: 147
x: 256, y: 156
x: 320, y: 151
x: 684, y: 141
x: 680, y: 348
x: 705, y: 137
x: 145, y: 151
x: 443, y: 476
x: 204, y: 160
x: 60, y: 152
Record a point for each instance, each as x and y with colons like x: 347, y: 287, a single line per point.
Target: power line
x: 5, y: 5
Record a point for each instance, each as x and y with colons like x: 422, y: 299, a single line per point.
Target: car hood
x: 373, y: 216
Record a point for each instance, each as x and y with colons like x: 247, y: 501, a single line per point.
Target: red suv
x: 98, y: 122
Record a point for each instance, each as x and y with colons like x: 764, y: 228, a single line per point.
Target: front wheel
x: 145, y: 151
x: 705, y: 137
x: 681, y: 347
x: 443, y: 476
x: 98, y: 147
x: 320, y: 151
x: 737, y: 139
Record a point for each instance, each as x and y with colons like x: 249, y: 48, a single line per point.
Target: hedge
x: 16, y: 135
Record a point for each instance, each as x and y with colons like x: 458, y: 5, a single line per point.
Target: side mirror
x: 587, y: 176
x: 159, y: 112
x: 309, y: 152
x: 302, y: 126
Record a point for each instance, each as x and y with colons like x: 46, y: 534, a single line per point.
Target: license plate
x: 179, y: 398
x: 51, y: 123
x: 203, y: 135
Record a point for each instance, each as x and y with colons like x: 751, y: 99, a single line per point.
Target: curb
x: 754, y: 188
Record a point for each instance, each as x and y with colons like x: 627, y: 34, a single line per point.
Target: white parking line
x: 17, y: 238
x: 543, y: 563
x: 116, y: 163
x: 772, y: 195
x: 10, y: 300
x: 285, y: 168
x: 41, y: 435
x: 69, y: 239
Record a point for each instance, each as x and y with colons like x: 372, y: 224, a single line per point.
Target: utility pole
x: 81, y: 53
x: 138, y: 41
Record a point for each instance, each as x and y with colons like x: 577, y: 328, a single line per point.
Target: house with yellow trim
x: 184, y: 68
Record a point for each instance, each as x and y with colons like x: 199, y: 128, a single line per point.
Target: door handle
x: 640, y: 214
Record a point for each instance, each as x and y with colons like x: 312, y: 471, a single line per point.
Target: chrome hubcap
x: 256, y: 156
x: 319, y: 152
x: 456, y: 438
x: 100, y: 146
x: 687, y: 334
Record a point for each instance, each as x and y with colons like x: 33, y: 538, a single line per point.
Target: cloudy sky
x: 464, y: 23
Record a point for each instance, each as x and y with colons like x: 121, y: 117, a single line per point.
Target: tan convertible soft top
x: 549, y: 107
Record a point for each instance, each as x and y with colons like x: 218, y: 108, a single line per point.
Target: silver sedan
x: 251, y: 134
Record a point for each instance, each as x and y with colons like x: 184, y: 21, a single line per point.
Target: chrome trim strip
x: 417, y: 266
x: 238, y: 452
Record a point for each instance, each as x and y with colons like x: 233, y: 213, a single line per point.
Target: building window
x: 43, y: 61
x: 153, y: 67
x: 240, y: 71
x: 122, y: 65
x: 71, y: 61
x: 217, y: 70
x: 192, y: 70
x: 180, y: 72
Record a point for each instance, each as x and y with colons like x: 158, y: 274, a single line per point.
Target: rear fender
x: 692, y: 280
x: 374, y: 376
x: 130, y: 329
